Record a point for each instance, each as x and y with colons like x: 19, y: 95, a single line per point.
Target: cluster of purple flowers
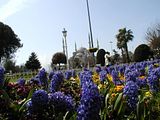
x: 21, y: 82
x: 115, y: 78
x: 102, y: 75
x: 51, y: 75
x: 90, y: 102
x: 69, y: 74
x: 131, y: 75
x: 98, y: 69
x: 62, y: 103
x: 1, y: 76
x: 35, y: 81
x: 84, y: 76
x: 39, y: 101
x: 153, y: 79
x: 43, y: 78
x: 130, y: 91
x: 56, y: 81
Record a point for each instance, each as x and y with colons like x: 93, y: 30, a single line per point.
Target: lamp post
x: 64, y: 32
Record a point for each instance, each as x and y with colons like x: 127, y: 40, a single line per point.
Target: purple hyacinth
x: 35, y: 81
x: 153, y: 78
x: 68, y: 74
x: 62, y: 103
x: 115, y: 78
x: 154, y: 83
x: 90, y: 102
x: 51, y: 75
x: 85, y: 76
x: 21, y: 81
x: 130, y: 91
x: 56, y: 81
x: 43, y: 78
x: 1, y: 76
x: 98, y: 69
x: 141, y: 82
x: 39, y: 100
x: 102, y: 75
x: 131, y: 75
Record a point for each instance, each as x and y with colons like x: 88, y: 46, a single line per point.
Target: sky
x: 39, y: 24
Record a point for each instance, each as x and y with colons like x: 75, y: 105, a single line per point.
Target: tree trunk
x: 127, y: 55
x: 122, y: 52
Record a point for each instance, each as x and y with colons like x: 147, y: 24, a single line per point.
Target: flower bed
x: 115, y: 92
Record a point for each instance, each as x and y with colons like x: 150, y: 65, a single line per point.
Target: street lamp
x: 64, y: 32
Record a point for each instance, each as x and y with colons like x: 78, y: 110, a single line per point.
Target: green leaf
x: 24, y: 105
x: 118, y: 101
x: 120, y: 108
x: 140, y: 111
x: 106, y: 100
x: 30, y: 93
x: 73, y: 117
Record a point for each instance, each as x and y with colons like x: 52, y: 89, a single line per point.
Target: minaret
x: 89, y: 41
x: 75, y: 47
x: 90, y: 28
x: 97, y: 44
x: 63, y: 46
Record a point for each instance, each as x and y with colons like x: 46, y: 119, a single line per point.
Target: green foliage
x: 9, y: 65
x: 123, y: 37
x: 33, y: 62
x: 153, y: 39
x: 59, y: 58
x: 142, y: 52
x: 9, y: 41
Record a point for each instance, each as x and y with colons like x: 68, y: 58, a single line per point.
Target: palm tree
x: 123, y: 37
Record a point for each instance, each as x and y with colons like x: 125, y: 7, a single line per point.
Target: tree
x: 9, y: 65
x: 142, y: 52
x: 59, y: 58
x: 153, y: 39
x: 100, y: 57
x: 9, y: 41
x: 123, y: 37
x: 33, y: 62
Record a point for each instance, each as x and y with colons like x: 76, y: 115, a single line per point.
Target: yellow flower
x: 122, y: 77
x: 148, y: 94
x: 142, y: 77
x: 109, y: 77
x: 101, y: 86
x: 113, y: 95
x: 95, y: 78
x: 118, y: 88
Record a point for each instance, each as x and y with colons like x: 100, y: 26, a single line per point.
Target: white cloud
x: 12, y: 7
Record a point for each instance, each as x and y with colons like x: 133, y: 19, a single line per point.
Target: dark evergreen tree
x: 9, y: 41
x: 33, y: 62
x: 100, y: 57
